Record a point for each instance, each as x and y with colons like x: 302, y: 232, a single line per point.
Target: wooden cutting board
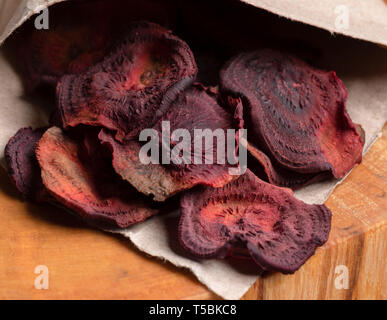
x: 87, y: 264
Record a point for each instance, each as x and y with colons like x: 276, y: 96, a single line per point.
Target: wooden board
x: 88, y: 264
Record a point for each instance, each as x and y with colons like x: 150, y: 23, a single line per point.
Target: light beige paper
x: 362, y: 67
x: 367, y: 19
x: 14, y: 12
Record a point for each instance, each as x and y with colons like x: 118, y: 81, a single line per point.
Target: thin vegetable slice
x: 270, y: 171
x: 65, y: 48
x: 74, y: 184
x: 193, y: 109
x: 295, y: 113
x: 131, y: 87
x: 22, y: 166
x: 279, y: 231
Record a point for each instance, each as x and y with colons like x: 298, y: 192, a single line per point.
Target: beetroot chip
x: 64, y: 48
x: 270, y: 171
x: 74, y: 184
x: 265, y: 168
x: 22, y: 165
x: 131, y: 87
x: 194, y: 109
x: 279, y: 231
x: 295, y: 113
x: 80, y: 34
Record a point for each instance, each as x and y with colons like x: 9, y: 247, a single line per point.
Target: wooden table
x: 88, y: 264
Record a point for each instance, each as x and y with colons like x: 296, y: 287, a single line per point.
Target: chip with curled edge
x: 277, y: 230
x: 194, y: 109
x: 295, y: 113
x: 76, y: 186
x: 130, y: 89
x: 22, y: 166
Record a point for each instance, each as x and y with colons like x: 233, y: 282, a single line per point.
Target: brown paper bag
x: 362, y: 67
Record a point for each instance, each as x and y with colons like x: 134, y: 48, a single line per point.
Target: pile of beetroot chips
x: 88, y: 161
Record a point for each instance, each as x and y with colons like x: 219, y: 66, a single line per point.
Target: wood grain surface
x: 87, y: 264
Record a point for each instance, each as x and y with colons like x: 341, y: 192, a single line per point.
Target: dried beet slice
x: 279, y: 231
x: 80, y: 35
x: 295, y: 113
x: 22, y: 165
x: 262, y: 165
x: 93, y: 154
x: 74, y: 185
x: 193, y: 109
x: 159, y: 181
x: 129, y: 89
x: 53, y: 53
x: 269, y: 171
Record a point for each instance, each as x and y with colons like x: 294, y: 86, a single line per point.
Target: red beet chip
x: 279, y: 231
x: 22, y: 166
x: 294, y: 113
x: 262, y: 165
x: 80, y: 34
x: 74, y: 184
x: 193, y: 109
x: 55, y: 53
x: 65, y: 48
x: 131, y: 87
x: 274, y: 173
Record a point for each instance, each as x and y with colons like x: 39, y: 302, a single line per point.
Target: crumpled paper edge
x: 24, y: 11
x: 362, y: 23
